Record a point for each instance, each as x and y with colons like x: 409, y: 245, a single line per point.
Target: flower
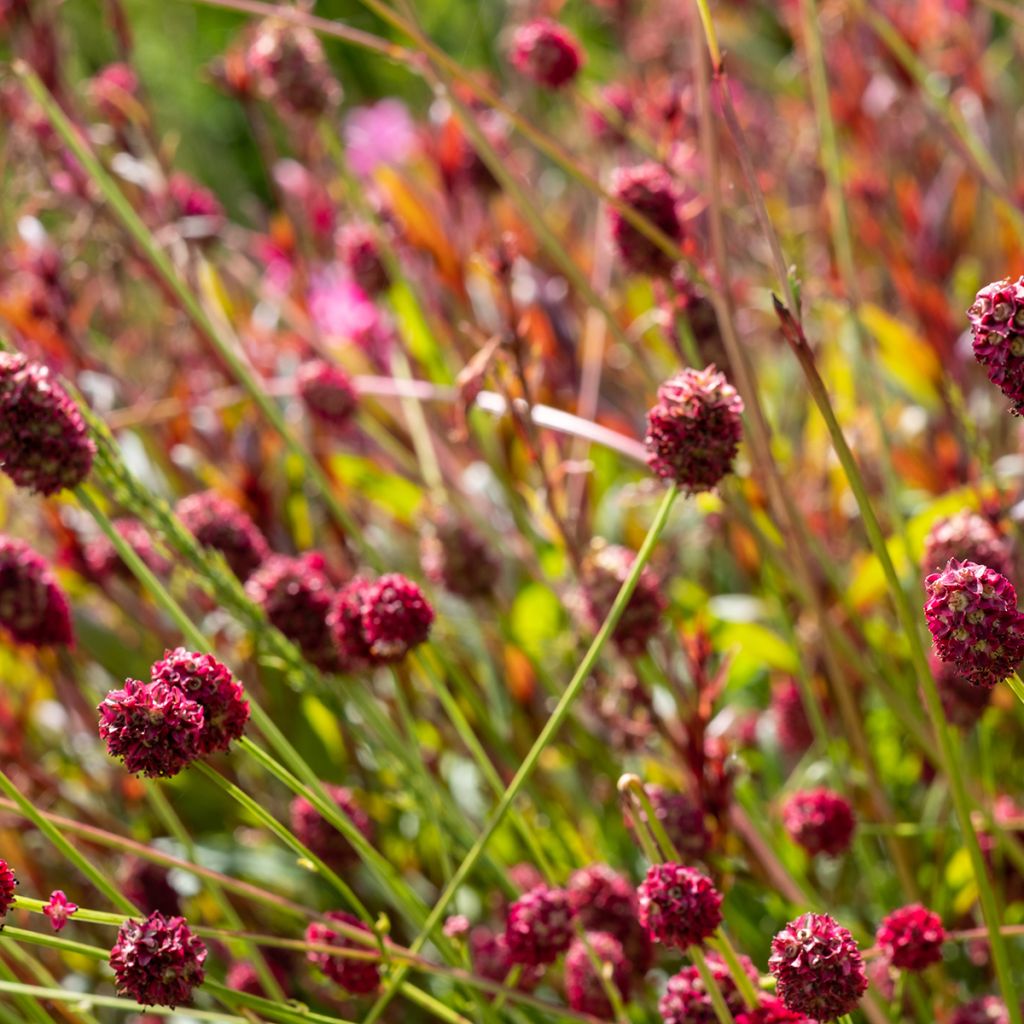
x: 345, y: 622
x: 359, y: 250
x: 33, y: 608
x: 912, y: 937
x: 382, y: 134
x: 771, y: 1011
x: 792, y: 725
x: 327, y: 393
x: 340, y: 309
x: 456, y: 926
x: 997, y: 324
x: 618, y: 98
x: 693, y: 432
x: 152, y: 727
x: 962, y: 701
x: 491, y: 959
x: 984, y: 1010
x: 972, y: 614
x: 584, y: 988
x: 538, y: 926
x: 686, y: 1000
x: 198, y: 209
x: 8, y: 883
x: 546, y: 53
x: 359, y: 977
x: 817, y: 967
x: 322, y: 837
x: 605, y: 901
x: 819, y: 820
x: 395, y: 617
x: 44, y: 444
x: 680, y: 816
x: 102, y: 560
x: 649, y: 191
x: 59, y: 909
x: 148, y: 886
x: 287, y: 64
x: 220, y: 524
x: 679, y: 906
x: 158, y: 962
x: 202, y: 678
x: 114, y: 92
x: 967, y: 537
x: 454, y: 556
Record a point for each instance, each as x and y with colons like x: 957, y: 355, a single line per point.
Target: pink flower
x: 327, y: 393
x: 395, y: 617
x: 912, y: 937
x: 342, y: 310
x: 8, y: 883
x: 379, y: 135
x: 539, y: 926
x: 59, y: 909
x: 584, y: 988
x: 679, y: 906
x: 546, y: 52
x: 220, y: 524
x: 323, y: 838
x: 820, y: 821
x: 360, y: 977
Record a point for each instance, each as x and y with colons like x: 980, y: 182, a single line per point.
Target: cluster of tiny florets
x: 605, y: 901
x: 678, y: 905
x: 650, y: 192
x: 962, y: 701
x: 327, y: 393
x: 687, y: 1000
x: 912, y: 937
x: 220, y: 524
x: 820, y: 821
x: 546, y: 52
x: 286, y: 63
x: 967, y: 537
x: 997, y: 325
x: 320, y: 836
x: 538, y: 926
x: 491, y: 959
x: 817, y: 967
x: 33, y: 608
x: 44, y: 444
x: 359, y: 250
x: 984, y: 1010
x: 360, y: 977
x: 680, y: 816
x: 148, y: 886
x: 972, y: 614
x: 771, y: 1011
x: 792, y: 726
x: 693, y: 432
x: 102, y: 560
x: 454, y: 556
x: 584, y: 987
x: 158, y: 962
x: 8, y: 885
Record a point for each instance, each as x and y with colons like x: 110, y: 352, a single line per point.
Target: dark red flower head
x: 605, y: 901
x: 967, y: 537
x: 584, y: 987
x: 220, y: 524
x: 792, y: 725
x: 359, y: 250
x: 912, y: 937
x: 693, y: 432
x: 154, y: 728
x: 680, y: 816
x: 972, y: 614
x: 327, y: 393
x: 649, y: 190
x: 44, y: 444
x: 454, y: 556
x: 772, y: 1011
x: 286, y: 64
x: 997, y: 323
x: 202, y: 678
x: 984, y: 1010
x: 8, y: 884
x: 817, y: 967
x: 395, y: 617
x: 679, y: 906
x: 539, y: 926
x: 360, y: 977
x: 546, y: 53
x: 491, y: 959
x: 686, y: 1000
x: 158, y: 962
x: 323, y: 838
x: 33, y: 608
x: 820, y: 821
x: 102, y: 560
x: 148, y: 886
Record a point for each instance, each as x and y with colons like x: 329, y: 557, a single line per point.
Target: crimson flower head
x: 323, y: 838
x: 649, y: 191
x: 59, y: 909
x: 198, y: 209
x: 202, y: 678
x: 605, y: 901
x: 680, y: 816
x: 792, y: 726
x: 360, y: 977
x: 772, y: 1011
x: 912, y: 937
x: 491, y: 959
x: 33, y: 608
x: 679, y: 906
x: 8, y: 883
x: 152, y: 727
x: 820, y: 821
x: 395, y: 617
x: 455, y: 556
x: 158, y: 962
x: 693, y: 431
x: 584, y: 986
x: 327, y: 393
x: 286, y: 64
x: 44, y: 444
x: 972, y: 615
x: 962, y: 701
x: 102, y: 560
x: 220, y: 524
x: 997, y: 325
x: 539, y: 926
x: 967, y: 537
x: 817, y: 967
x: 359, y: 250
x: 687, y: 1001
x: 984, y: 1010
x: 547, y: 53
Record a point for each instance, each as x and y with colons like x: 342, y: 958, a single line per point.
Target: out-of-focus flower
x: 539, y: 926
x: 820, y: 821
x: 679, y: 906
x: 322, y: 837
x: 546, y: 52
x: 33, y: 608
x: 584, y: 986
x: 648, y: 190
x: 327, y: 393
x: 286, y: 64
x: 360, y: 977
x: 967, y: 537
x: 220, y: 524
x: 687, y: 1001
x: 912, y: 937
x: 382, y: 134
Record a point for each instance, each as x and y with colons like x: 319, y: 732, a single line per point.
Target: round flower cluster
x: 360, y: 977
x: 792, y: 726
x: 158, y: 962
x: 817, y: 967
x: 972, y: 614
x: 44, y: 444
x: 584, y: 987
x: 539, y: 926
x: 985, y: 1010
x: 687, y: 1000
x: 693, y: 432
x: 327, y: 393
x: 546, y: 53
x: 359, y: 250
x: 454, y: 556
x: 323, y: 838
x: 605, y: 901
x: 681, y: 817
x: 997, y: 325
x: 148, y: 886
x: 102, y: 560
x: 772, y: 1011
x: 679, y: 906
x: 220, y: 524
x: 967, y: 537
x: 8, y: 884
x: 912, y: 937
x: 820, y: 821
x: 114, y: 92
x: 648, y: 190
x: 286, y: 64
x: 491, y: 959
x: 33, y: 608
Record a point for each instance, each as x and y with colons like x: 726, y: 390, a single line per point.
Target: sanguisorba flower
x: 359, y: 250
x: 912, y: 937
x: 152, y: 727
x: 693, y: 431
x: 220, y: 524
x: 681, y: 817
x: 8, y: 885
x: 687, y: 1001
x: 820, y: 821
x: 679, y: 906
x: 287, y: 64
x: 360, y: 977
x: 59, y: 909
x: 605, y: 901
x: 967, y: 537
x: 546, y: 52
x: 102, y: 560
x: 997, y: 325
x: 322, y: 837
x: 983, y: 1010
x: 649, y: 190
x: 327, y: 393
x: 33, y: 608
x: 44, y: 444
x: 817, y: 967
x: 455, y: 556
x: 584, y: 986
x: 538, y: 926
x: 963, y: 702
x: 772, y: 1011
x: 972, y: 615
x: 395, y: 617
x: 158, y: 962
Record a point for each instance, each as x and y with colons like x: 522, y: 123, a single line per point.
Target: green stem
x: 711, y: 986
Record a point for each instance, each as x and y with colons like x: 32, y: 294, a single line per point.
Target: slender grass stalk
x: 711, y: 986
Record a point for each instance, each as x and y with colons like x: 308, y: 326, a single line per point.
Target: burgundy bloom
x: 360, y: 977
x: 997, y: 323
x: 220, y: 524
x: 686, y: 1000
x: 584, y: 988
x: 820, y: 821
x: 114, y: 92
x: 59, y: 909
x: 287, y: 64
x: 202, y: 678
x: 8, y: 883
x: 454, y: 556
x: 44, y: 444
x: 359, y: 250
x: 972, y: 614
x: 546, y: 53
x: 605, y: 901
x: 967, y: 537
x: 539, y: 926
x: 792, y: 725
x: 681, y: 818
x: 491, y: 959
x: 243, y: 976
x: 620, y: 100
x: 679, y: 906
x: 649, y: 191
x: 693, y: 432
x: 323, y: 838
x: 158, y: 962
x: 396, y: 617
x: 195, y: 205
x: 33, y: 608
x: 327, y: 393
x: 962, y: 701
x: 817, y: 967
x: 984, y: 1010
x: 148, y: 886
x: 102, y: 560
x: 152, y: 727
x: 772, y: 1011
x: 345, y: 622
x: 605, y: 569
x: 912, y: 937
x: 295, y: 595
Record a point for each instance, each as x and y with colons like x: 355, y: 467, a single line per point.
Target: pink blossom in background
x: 341, y: 309
x: 380, y: 134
